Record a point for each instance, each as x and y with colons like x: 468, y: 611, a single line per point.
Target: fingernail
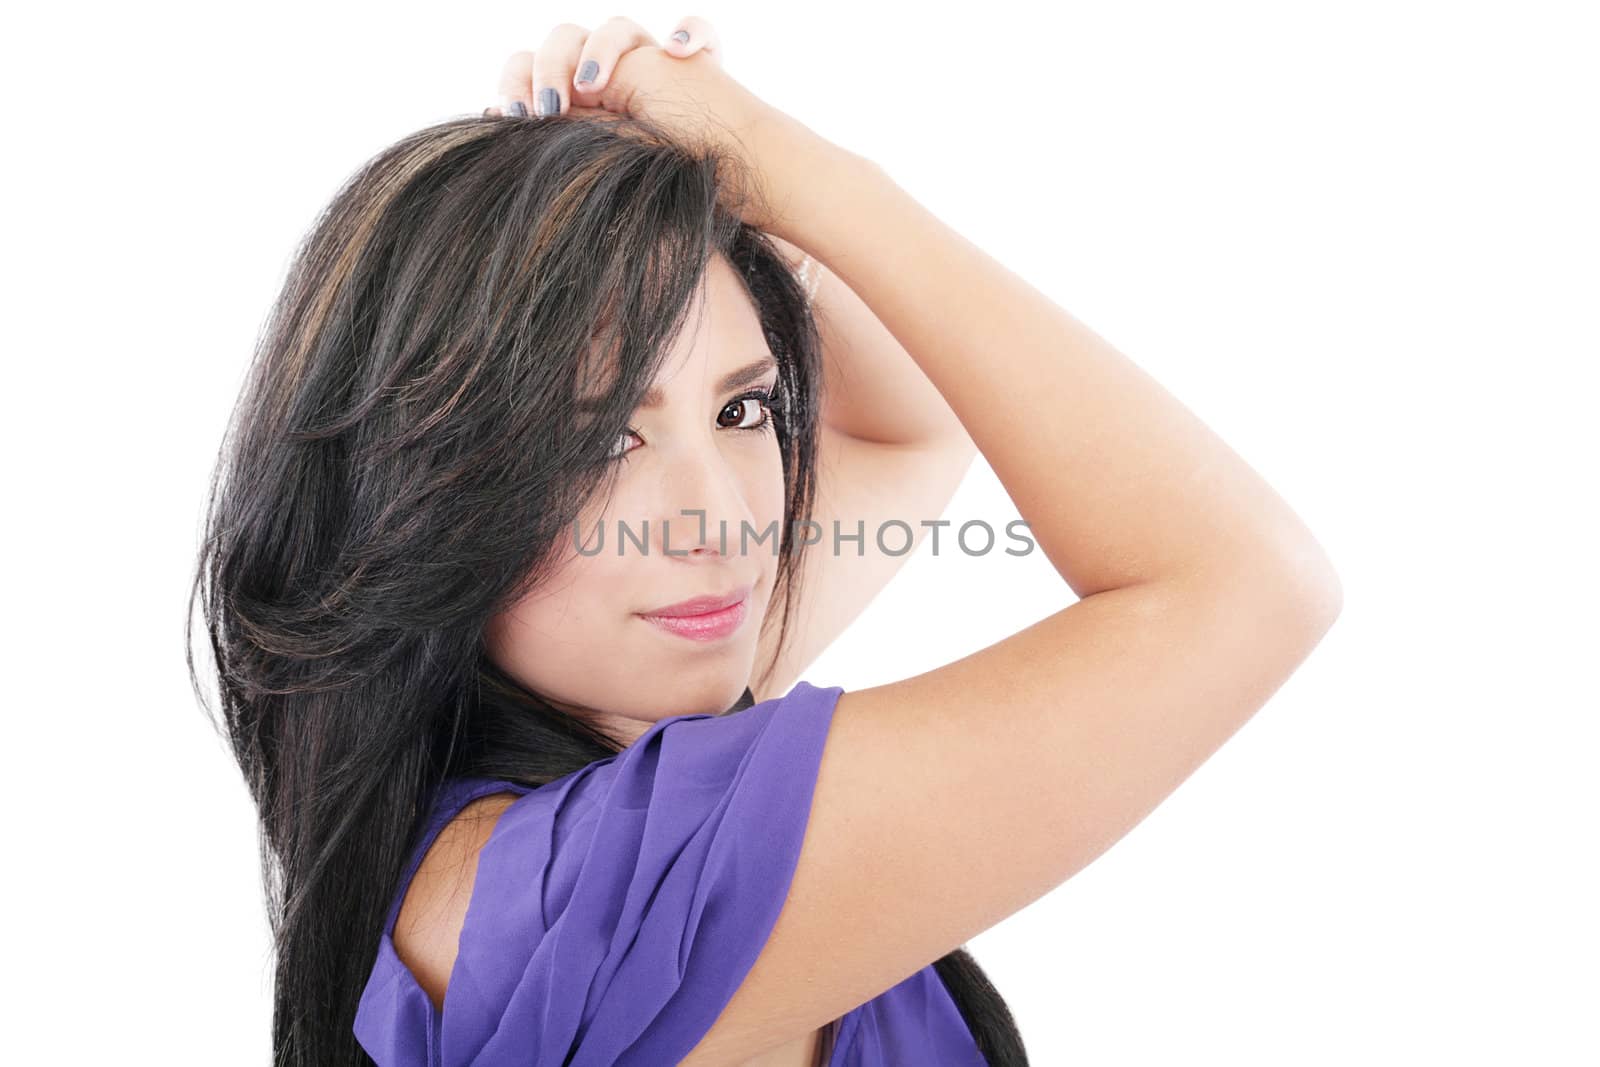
x: 682, y: 37
x: 587, y: 72
x: 515, y: 107
x: 549, y: 102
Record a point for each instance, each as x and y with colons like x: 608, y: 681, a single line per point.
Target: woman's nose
x: 702, y: 505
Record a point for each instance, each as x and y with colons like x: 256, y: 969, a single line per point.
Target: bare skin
x: 428, y: 928
x: 693, y: 453
x: 1199, y: 592
x: 559, y: 640
x: 889, y: 447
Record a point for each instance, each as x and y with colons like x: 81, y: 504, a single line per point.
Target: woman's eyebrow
x: 748, y: 374
x: 745, y: 375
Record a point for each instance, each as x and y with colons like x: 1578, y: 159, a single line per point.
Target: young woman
x: 511, y: 659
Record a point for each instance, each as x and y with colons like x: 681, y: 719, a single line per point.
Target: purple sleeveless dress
x: 616, y: 909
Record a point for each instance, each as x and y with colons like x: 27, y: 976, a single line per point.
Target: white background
x: 1358, y: 239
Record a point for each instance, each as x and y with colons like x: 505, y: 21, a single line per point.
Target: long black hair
x: 402, y: 460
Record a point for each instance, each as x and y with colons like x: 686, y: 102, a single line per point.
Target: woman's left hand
x: 559, y: 62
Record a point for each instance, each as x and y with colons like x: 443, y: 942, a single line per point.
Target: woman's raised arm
x: 946, y: 802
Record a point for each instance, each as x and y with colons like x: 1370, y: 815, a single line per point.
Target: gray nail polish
x: 682, y: 37
x: 549, y: 102
x: 587, y: 72
x: 519, y: 109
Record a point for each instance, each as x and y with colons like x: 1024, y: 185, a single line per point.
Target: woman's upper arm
x: 434, y: 906
x: 948, y: 801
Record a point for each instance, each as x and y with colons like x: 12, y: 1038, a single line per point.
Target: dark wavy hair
x: 399, y: 466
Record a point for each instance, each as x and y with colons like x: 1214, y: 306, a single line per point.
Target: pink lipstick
x: 703, y: 618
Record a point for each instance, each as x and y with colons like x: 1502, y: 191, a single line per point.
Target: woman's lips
x: 710, y: 626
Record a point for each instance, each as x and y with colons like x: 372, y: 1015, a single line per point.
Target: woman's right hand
x: 684, y: 89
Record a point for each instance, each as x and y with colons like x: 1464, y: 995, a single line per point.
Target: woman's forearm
x: 872, y: 388
x: 1120, y: 483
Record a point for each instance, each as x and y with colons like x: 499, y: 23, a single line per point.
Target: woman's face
x: 582, y: 639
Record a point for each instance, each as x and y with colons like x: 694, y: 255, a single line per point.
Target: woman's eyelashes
x: 739, y: 412
x: 763, y: 412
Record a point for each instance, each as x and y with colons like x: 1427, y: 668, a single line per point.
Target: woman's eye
x: 747, y: 413
x: 621, y: 448
x: 753, y: 412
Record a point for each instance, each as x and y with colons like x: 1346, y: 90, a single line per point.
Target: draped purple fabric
x: 616, y: 909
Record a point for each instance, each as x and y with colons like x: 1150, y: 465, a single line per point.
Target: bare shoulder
x: 427, y: 931
x: 965, y: 793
